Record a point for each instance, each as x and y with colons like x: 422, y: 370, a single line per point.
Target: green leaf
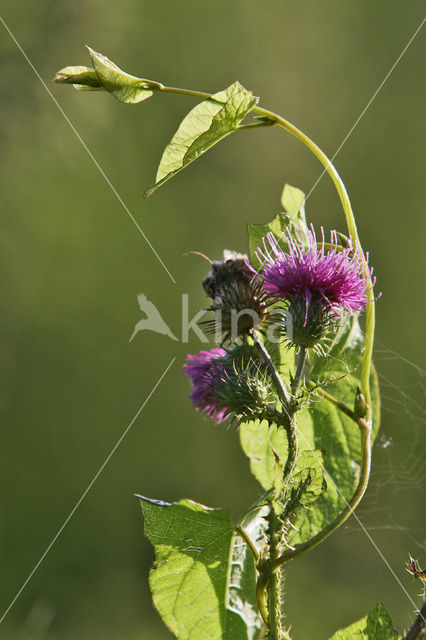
x: 293, y: 202
x: 377, y: 625
x: 79, y: 76
x: 206, y: 124
x: 124, y: 87
x: 310, y: 464
x: 321, y: 425
x: 262, y: 443
x: 203, y: 580
x: 257, y: 232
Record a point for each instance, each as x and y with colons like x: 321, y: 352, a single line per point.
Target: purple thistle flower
x: 206, y: 371
x: 329, y: 277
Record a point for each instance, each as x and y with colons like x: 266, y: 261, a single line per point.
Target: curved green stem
x: 350, y: 222
x: 248, y: 542
x: 261, y: 602
x: 353, y: 231
x: 337, y: 403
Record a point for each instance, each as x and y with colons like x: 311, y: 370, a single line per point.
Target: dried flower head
x: 226, y: 272
x: 239, y: 301
x: 413, y: 567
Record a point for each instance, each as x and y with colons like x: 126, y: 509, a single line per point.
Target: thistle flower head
x: 205, y: 371
x: 311, y: 272
x: 229, y: 383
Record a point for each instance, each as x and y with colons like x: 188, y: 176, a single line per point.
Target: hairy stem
x: 299, y: 370
x: 274, y: 609
x: 268, y: 591
x: 279, y: 384
x: 418, y: 625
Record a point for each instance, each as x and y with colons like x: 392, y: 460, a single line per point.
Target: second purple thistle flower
x: 315, y: 272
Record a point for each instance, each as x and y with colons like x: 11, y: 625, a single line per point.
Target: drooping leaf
x: 106, y: 76
x: 206, y: 124
x: 377, y: 625
x: 124, y: 87
x: 79, y: 77
x: 203, y: 580
x: 293, y: 202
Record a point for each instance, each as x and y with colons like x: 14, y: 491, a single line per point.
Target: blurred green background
x: 73, y: 263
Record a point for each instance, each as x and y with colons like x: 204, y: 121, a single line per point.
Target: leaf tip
x: 147, y: 193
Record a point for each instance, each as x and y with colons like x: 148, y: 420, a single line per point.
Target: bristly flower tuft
x: 205, y: 371
x: 331, y: 276
x: 229, y: 383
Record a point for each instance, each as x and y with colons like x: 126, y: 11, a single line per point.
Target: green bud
x: 306, y: 328
x: 360, y: 405
x: 246, y: 392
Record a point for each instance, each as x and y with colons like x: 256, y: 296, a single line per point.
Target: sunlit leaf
x: 206, y: 124
x: 293, y: 202
x: 80, y: 76
x: 106, y: 76
x: 257, y: 232
x: 377, y: 625
x: 203, y: 579
x: 262, y: 443
x: 310, y: 466
x: 124, y: 87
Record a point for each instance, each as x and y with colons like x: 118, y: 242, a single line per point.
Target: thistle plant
x: 291, y: 370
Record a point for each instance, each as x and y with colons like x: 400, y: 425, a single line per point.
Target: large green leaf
x: 203, y: 127
x: 203, y: 580
x: 323, y: 426
x: 377, y: 625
